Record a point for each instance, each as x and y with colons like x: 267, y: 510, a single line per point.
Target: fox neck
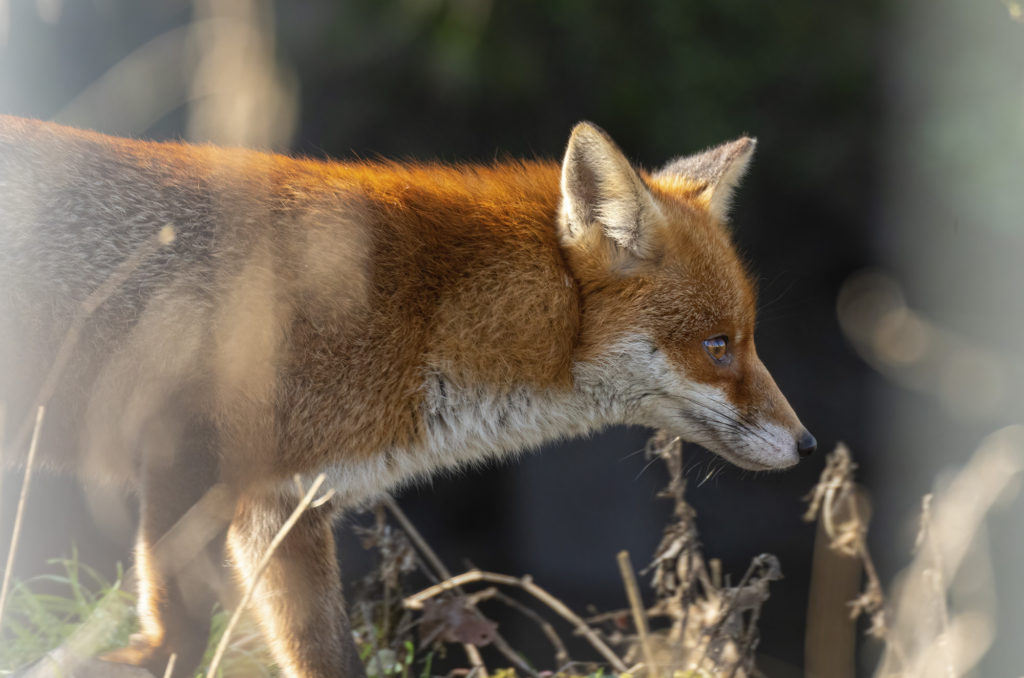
x: 492, y: 366
x: 470, y: 424
x: 479, y: 422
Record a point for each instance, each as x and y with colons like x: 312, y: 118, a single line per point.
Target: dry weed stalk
x: 20, y: 514
x: 3, y: 432
x: 169, y: 671
x: 834, y: 499
x: 713, y: 625
x: 636, y: 607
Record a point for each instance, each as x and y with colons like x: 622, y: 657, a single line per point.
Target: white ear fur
x: 719, y: 168
x: 601, y: 190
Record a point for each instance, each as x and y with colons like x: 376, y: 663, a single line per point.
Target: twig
x: 659, y: 609
x: 264, y: 562
x: 473, y: 654
x: 561, y: 654
x: 637, y: 607
x: 3, y: 431
x: 416, y: 538
x: 503, y: 647
x: 16, y: 533
x: 203, y: 521
x: 415, y: 602
x: 474, y: 599
x: 169, y: 671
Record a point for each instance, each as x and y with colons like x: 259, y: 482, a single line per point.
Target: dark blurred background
x: 890, y: 136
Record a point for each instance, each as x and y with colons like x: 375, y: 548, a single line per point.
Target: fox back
x: 234, y: 317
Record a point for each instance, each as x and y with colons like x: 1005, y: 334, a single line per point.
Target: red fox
x: 376, y: 321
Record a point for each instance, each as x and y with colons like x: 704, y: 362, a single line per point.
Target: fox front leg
x: 298, y: 597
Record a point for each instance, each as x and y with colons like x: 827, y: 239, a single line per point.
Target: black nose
x: 806, y: 444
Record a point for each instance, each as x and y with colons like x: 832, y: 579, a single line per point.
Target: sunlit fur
x: 377, y: 321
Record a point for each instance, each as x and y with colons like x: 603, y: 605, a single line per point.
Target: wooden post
x: 830, y: 642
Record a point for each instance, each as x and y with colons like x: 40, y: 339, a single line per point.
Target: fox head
x: 667, y: 306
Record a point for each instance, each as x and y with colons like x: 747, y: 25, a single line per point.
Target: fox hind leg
x: 175, y: 610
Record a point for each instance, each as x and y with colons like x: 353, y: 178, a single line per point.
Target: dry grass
x: 20, y: 515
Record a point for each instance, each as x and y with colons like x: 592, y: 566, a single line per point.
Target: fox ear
x: 719, y: 169
x: 603, y: 196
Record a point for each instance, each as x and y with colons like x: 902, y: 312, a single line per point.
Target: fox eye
x: 718, y: 349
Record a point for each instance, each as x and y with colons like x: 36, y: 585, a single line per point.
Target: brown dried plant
x: 713, y: 624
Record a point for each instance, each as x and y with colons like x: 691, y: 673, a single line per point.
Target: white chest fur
x: 463, y: 426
